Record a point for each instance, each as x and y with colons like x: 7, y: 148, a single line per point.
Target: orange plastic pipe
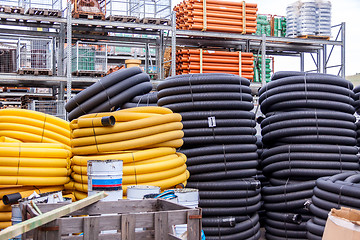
x: 222, y: 22
x: 220, y: 68
x: 221, y: 2
x: 222, y: 53
x: 214, y: 60
x: 215, y: 14
x: 219, y: 28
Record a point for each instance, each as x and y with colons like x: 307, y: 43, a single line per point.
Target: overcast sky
x: 347, y: 11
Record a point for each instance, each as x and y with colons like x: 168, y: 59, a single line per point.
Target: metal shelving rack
x: 68, y: 29
x: 318, y: 49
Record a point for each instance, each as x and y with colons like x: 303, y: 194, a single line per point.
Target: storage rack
x: 159, y: 36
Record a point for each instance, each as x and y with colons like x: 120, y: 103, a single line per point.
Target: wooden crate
x: 155, y: 217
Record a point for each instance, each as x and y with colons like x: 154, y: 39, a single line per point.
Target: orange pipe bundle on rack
x: 214, y: 61
x: 218, y: 16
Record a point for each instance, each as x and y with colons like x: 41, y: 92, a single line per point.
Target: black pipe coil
x: 219, y: 142
x: 340, y: 190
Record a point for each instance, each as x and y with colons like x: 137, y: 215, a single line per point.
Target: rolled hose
x: 239, y: 227
x: 311, y: 103
x: 31, y: 126
x: 34, y: 164
x: 105, y: 103
x: 99, y: 86
x: 340, y: 190
x: 252, y: 233
x: 215, y: 96
x: 315, y: 114
x: 283, y: 78
x: 218, y: 156
x: 200, y: 79
x: 311, y: 87
x: 190, y: 124
x: 210, y: 105
x: 143, y: 132
x: 215, y: 158
x: 242, y: 184
x: 203, y: 89
x: 218, y: 114
x: 299, y: 95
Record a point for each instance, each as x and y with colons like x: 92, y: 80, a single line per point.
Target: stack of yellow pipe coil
x: 145, y: 139
x: 35, y: 155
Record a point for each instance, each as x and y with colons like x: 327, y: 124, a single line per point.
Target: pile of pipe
x: 35, y: 156
x: 309, y: 132
x: 340, y: 190
x: 109, y: 93
x: 323, y: 18
x: 219, y: 142
x: 33, y: 127
x: 357, y: 108
x: 145, y: 138
x: 308, y: 18
x: 209, y: 61
x: 149, y: 99
x: 216, y: 16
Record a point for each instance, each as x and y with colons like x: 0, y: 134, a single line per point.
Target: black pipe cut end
x: 228, y: 222
x: 108, y: 121
x: 260, y: 119
x: 11, y: 198
x: 295, y: 218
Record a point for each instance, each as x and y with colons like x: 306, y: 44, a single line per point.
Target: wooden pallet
x: 120, y: 18
x: 44, y: 12
x: 35, y: 72
x: 88, y: 15
x: 314, y: 37
x: 88, y: 73
x: 11, y: 9
x: 157, y: 21
x: 154, y: 217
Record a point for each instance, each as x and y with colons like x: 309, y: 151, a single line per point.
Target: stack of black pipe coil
x: 109, y: 93
x: 309, y: 132
x: 357, y: 108
x: 149, y: 99
x: 219, y: 142
x: 340, y: 190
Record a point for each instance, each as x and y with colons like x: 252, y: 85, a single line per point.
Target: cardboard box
x: 342, y: 224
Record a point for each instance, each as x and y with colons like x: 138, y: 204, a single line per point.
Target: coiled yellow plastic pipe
x: 144, y: 138
x: 31, y: 126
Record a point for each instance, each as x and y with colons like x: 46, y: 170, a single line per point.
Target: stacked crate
x: 210, y: 61
x: 257, y: 69
x: 217, y: 16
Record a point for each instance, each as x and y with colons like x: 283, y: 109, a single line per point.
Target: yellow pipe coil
x: 126, y: 156
x: 34, y: 164
x: 126, y: 126
x: 45, y: 118
x: 133, y: 139
x: 31, y: 126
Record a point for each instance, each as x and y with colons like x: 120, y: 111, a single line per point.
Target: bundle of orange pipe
x: 216, y: 16
x: 208, y: 61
